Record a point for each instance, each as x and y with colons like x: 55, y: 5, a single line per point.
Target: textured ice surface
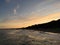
x: 28, y: 37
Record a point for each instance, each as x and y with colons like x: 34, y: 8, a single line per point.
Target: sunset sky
x: 22, y: 13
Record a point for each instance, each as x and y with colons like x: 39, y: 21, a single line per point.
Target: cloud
x: 33, y: 19
x: 7, y: 1
x: 56, y: 4
x: 18, y: 6
x: 15, y: 9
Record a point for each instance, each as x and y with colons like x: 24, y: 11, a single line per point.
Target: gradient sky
x: 22, y: 13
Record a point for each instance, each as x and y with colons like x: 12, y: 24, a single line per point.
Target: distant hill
x: 53, y: 26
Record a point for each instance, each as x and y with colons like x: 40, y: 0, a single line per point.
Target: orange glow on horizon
x: 36, y: 20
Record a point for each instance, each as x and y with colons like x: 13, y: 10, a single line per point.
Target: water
x: 28, y: 37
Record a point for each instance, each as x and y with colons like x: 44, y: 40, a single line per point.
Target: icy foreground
x: 28, y: 37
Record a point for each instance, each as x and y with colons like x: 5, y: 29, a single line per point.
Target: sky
x: 23, y: 13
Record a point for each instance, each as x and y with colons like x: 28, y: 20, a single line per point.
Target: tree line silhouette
x: 53, y: 26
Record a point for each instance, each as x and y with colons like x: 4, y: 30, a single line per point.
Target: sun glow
x: 32, y: 21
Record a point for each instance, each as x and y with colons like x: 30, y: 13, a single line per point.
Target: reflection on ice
x: 28, y: 37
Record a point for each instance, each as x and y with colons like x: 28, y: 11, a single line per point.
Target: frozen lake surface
x: 28, y: 37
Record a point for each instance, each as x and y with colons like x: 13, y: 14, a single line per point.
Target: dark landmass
x: 53, y: 26
x: 10, y: 28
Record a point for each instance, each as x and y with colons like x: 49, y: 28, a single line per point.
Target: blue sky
x: 21, y: 13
